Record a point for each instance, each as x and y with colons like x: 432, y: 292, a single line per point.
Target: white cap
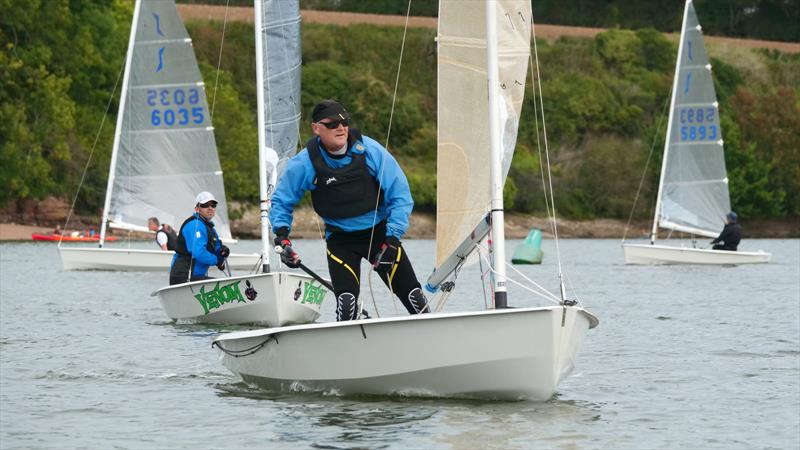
x: 204, y: 197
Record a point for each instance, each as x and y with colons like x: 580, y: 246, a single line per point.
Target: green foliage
x: 760, y: 19
x: 51, y: 76
x: 526, y: 176
x: 769, y: 123
x: 604, y: 100
x: 605, y: 175
x: 726, y: 79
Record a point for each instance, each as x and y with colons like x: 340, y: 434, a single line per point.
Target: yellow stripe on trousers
x: 338, y: 260
x: 396, y: 263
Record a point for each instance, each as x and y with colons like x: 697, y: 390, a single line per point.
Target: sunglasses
x: 335, y: 124
x: 208, y: 205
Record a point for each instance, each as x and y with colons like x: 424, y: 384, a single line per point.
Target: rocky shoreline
x: 19, y: 219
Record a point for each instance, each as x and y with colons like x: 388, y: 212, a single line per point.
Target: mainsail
x: 280, y: 53
x: 463, y: 196
x: 165, y: 152
x: 694, y: 189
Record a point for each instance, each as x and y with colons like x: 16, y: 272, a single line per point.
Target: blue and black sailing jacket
x: 200, y: 247
x: 300, y: 176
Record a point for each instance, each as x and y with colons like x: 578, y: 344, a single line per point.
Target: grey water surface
x: 684, y: 357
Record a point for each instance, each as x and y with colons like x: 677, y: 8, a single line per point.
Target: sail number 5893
x: 175, y: 107
x: 703, y: 124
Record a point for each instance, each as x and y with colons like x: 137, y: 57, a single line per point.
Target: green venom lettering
x: 313, y: 294
x: 219, y: 296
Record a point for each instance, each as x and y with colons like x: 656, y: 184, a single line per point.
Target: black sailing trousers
x: 345, y: 252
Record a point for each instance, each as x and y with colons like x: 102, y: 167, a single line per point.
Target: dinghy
x: 280, y: 298
x: 693, y: 188
x: 500, y: 353
x: 68, y: 238
x: 164, y: 150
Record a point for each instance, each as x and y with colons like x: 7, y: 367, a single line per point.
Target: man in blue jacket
x: 198, y: 244
x: 362, y: 195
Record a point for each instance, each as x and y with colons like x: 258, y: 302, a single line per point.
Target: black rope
x: 247, y: 351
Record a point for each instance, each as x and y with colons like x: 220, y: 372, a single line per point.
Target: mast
x: 496, y: 153
x: 120, y: 114
x: 654, y: 230
x: 262, y: 139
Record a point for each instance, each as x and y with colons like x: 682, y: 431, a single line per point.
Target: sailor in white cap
x: 199, y: 246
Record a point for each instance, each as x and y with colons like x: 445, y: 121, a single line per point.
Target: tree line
x: 774, y: 20
x: 604, y: 102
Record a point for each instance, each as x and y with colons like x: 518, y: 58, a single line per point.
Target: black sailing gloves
x: 387, y: 256
x: 282, y: 242
x: 223, y: 253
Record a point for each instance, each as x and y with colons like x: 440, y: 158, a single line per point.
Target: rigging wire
x: 91, y: 152
x: 538, y: 139
x: 219, y: 61
x: 544, y: 292
x: 647, y: 164
x: 547, y: 154
x: 386, y: 145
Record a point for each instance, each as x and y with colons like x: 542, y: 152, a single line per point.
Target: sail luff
x: 675, y: 78
x: 120, y: 117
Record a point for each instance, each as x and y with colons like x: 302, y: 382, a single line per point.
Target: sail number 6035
x: 175, y: 107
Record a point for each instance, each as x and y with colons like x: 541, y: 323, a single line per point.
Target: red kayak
x: 67, y: 238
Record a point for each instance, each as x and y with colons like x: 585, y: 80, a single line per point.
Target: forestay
x: 694, y: 193
x: 280, y: 52
x: 165, y: 152
x: 463, y: 177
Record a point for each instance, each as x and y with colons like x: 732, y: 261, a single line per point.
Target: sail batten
x: 167, y: 152
x: 171, y: 85
x: 693, y: 195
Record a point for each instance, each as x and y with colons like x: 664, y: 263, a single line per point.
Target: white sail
x: 166, y: 152
x: 280, y: 53
x: 694, y: 192
x: 463, y: 176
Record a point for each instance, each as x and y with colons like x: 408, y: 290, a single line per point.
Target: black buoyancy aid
x: 172, y: 237
x: 343, y: 192
x: 184, y: 263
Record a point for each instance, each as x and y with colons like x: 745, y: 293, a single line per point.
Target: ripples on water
x: 685, y: 356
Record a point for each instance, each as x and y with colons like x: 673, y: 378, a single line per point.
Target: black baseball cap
x: 329, y: 109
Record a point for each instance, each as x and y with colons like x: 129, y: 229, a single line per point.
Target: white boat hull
x: 270, y: 299
x: 128, y: 259
x: 664, y: 254
x: 507, y: 354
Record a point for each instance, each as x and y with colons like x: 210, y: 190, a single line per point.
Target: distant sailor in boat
x: 198, y: 245
x: 731, y: 234
x: 166, y: 238
x: 363, y: 197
